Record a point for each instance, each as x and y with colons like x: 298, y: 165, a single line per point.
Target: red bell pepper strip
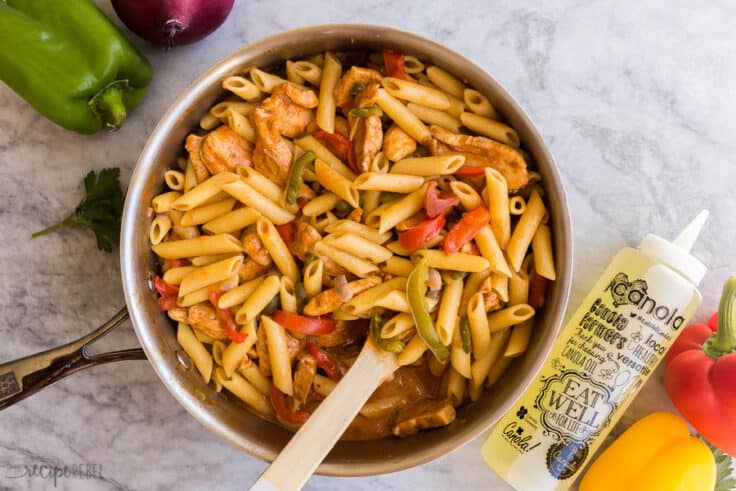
x: 227, y: 319
x: 283, y: 411
x: 331, y: 367
x: 167, y: 303
x: 340, y: 146
x: 313, y: 326
x: 701, y: 374
x: 416, y: 237
x: 168, y: 293
x: 537, y: 290
x: 470, y: 170
x: 466, y: 229
x: 394, y: 64
x: 164, y: 288
x: 437, y: 204
x: 173, y: 263
x: 287, y: 231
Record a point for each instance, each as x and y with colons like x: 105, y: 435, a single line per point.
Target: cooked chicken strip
x: 343, y: 93
x: 397, y: 144
x: 505, y: 159
x: 272, y: 155
x: 203, y: 317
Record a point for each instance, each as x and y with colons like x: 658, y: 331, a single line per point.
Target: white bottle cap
x: 676, y: 254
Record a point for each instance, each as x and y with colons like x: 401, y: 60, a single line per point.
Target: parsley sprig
x: 725, y: 481
x: 100, y: 210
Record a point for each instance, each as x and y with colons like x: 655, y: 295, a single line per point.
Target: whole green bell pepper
x: 70, y: 63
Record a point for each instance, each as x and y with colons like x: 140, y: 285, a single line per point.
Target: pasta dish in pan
x: 344, y: 196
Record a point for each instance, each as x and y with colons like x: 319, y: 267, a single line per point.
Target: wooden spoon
x: 314, y: 440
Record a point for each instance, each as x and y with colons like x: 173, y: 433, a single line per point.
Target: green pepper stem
x: 723, y: 341
x: 109, y: 104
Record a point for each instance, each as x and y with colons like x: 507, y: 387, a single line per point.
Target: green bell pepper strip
x: 70, y: 63
x: 301, y: 297
x: 465, y: 335
x: 386, y: 344
x: 365, y: 111
x: 296, y: 176
x: 416, y: 287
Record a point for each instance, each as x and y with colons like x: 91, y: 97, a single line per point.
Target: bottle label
x: 604, y: 354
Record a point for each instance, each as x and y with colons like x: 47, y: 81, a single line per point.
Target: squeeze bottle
x: 602, y: 357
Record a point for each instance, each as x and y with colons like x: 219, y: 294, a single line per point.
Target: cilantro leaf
x: 100, y: 210
x: 725, y: 481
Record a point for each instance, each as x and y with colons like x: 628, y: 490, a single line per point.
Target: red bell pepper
x: 313, y: 326
x: 470, y: 170
x: 227, y: 319
x: 168, y: 293
x: 283, y: 411
x: 165, y: 289
x: 167, y: 303
x: 331, y: 367
x: 394, y: 64
x: 173, y: 263
x: 340, y: 146
x: 537, y: 290
x: 701, y: 374
x: 466, y: 229
x: 437, y: 204
x: 287, y: 231
x: 416, y: 237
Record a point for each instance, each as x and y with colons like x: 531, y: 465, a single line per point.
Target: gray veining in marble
x: 636, y: 101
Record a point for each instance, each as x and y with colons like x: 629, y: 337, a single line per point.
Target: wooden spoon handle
x: 314, y: 440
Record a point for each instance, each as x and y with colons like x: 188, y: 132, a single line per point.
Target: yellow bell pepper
x: 657, y: 453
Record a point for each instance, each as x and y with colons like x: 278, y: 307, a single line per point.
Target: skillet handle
x: 26, y: 376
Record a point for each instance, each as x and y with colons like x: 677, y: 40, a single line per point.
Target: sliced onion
x: 343, y: 290
x: 434, y: 280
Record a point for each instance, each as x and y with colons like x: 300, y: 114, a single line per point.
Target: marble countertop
x: 636, y: 103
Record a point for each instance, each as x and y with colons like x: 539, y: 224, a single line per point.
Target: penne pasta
x: 242, y: 87
x: 258, y: 299
x: 333, y: 181
x: 160, y: 226
x: 478, y: 323
x: 253, y: 375
x: 278, y: 355
x: 199, y: 246
x: 497, y: 196
x: 209, y: 122
x: 459, y: 359
x: 165, y: 201
x: 455, y: 387
x: 174, y: 180
x: 196, y: 351
x: 398, y: 266
x: 354, y: 264
x: 469, y: 197
x: 429, y: 166
x: 287, y: 295
x: 435, y: 116
x: 413, y: 351
x: 500, y: 285
x: 235, y: 353
x: 458, y: 261
x: 207, y: 275
x: 398, y: 326
x: 497, y: 370
x: 489, y: 249
x: 202, y: 294
x: 205, y: 213
x: 221, y: 109
x: 444, y: 81
x: 252, y: 198
x: 305, y: 70
x: 308, y: 143
x: 245, y: 392
x: 404, y: 119
x: 321, y: 204
x: 479, y: 104
x: 447, y: 315
x: 232, y: 221
x: 199, y: 195
x: 517, y: 204
x: 543, y: 258
x: 481, y: 367
x: 524, y: 231
x: 265, y: 81
x: 393, y: 183
x: 400, y: 210
x: 326, y: 109
x: 265, y: 186
x: 190, y: 178
x: 394, y: 300
x: 412, y: 65
x: 349, y: 226
x: 365, y: 300
x: 358, y: 246
x: 239, y: 294
x: 510, y: 316
x: 241, y: 125
x: 323, y: 386
x: 490, y: 128
x: 174, y: 276
x: 277, y: 249
x: 313, y: 274
x: 413, y: 92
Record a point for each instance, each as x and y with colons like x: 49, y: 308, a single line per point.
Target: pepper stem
x: 109, y: 104
x: 723, y: 341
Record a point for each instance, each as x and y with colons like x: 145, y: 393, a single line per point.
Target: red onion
x: 171, y: 22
